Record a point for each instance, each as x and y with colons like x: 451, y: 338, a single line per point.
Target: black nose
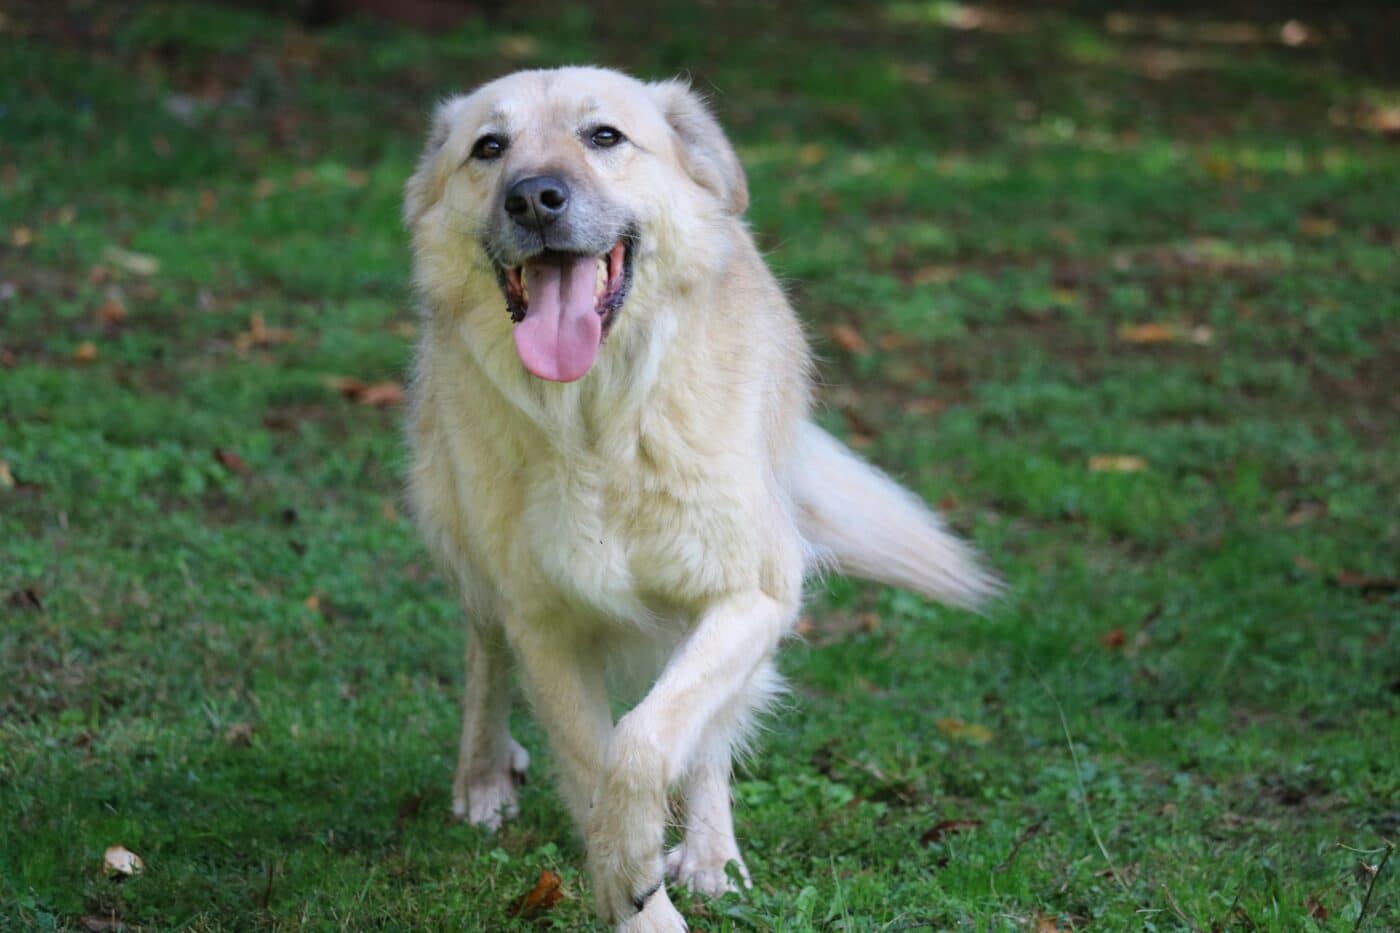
x: 538, y: 201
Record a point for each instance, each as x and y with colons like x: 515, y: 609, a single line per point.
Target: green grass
x: 1192, y: 682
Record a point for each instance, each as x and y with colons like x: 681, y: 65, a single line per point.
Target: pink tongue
x: 559, y: 338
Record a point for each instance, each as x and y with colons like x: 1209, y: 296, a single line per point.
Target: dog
x: 614, y: 462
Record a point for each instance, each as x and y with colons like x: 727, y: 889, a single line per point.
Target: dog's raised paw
x: 704, y: 872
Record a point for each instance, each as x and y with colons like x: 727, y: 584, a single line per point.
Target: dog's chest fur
x: 597, y: 502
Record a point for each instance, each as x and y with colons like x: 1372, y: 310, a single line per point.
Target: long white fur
x: 653, y: 521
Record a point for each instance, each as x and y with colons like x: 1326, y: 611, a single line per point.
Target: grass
x: 223, y: 647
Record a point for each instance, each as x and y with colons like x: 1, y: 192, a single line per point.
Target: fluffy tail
x: 859, y: 520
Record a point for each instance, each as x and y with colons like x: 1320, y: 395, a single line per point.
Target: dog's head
x: 563, y: 186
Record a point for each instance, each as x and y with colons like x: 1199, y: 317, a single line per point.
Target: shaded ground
x: 1120, y: 293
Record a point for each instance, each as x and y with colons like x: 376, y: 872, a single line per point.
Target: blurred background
x: 1113, y: 284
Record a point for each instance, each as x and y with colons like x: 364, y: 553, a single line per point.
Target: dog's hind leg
x: 490, y: 763
x: 700, y: 861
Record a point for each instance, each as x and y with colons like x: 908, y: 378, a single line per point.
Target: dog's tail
x: 860, y: 521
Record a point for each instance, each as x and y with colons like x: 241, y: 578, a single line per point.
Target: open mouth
x: 563, y: 305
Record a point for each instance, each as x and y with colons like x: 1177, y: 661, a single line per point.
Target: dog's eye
x: 605, y: 137
x: 489, y: 146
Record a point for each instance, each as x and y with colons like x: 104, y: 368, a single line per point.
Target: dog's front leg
x: 563, y: 677
x: 490, y: 763
x: 655, y: 744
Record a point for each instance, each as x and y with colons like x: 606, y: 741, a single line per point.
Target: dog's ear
x: 425, y: 186
x: 704, y: 149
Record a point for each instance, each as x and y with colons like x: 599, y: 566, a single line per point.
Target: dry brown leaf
x: 933, y: 275
x: 264, y: 189
x: 381, y: 395
x: 848, y: 338
x: 1316, y: 909
x: 230, y: 460
x: 946, y: 828
x: 21, y: 236
x: 111, y: 312
x: 1147, y: 333
x: 1114, y: 638
x: 119, y: 860
x: 811, y: 154
x: 259, y: 334
x: 925, y: 406
x: 548, y: 891
x: 239, y: 734
x: 1310, y: 225
x: 85, y: 352
x: 955, y: 728
x: 1305, y: 512
x: 1117, y: 463
x: 7, y: 479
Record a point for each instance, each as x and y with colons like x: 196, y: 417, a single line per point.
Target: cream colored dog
x: 614, y: 462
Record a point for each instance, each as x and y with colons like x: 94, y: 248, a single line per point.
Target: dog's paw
x: 658, y: 916
x: 491, y: 799
x: 702, y: 870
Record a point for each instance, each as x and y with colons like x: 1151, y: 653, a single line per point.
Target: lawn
x: 1120, y: 293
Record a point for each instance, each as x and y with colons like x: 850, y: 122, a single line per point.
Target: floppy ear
x: 425, y: 186
x: 705, y: 152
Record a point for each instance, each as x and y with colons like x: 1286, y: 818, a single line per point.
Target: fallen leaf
x: 111, y: 312
x: 519, y: 46
x: 119, y: 860
x: 1201, y: 335
x: 1114, y: 638
x: 264, y: 189
x: 128, y: 261
x: 27, y: 598
x: 259, y: 334
x: 1310, y: 225
x: 7, y: 479
x: 230, y: 460
x: 1316, y: 909
x: 811, y: 154
x: 933, y: 275
x: 103, y: 925
x: 21, y: 236
x: 548, y: 891
x: 381, y: 394
x: 1305, y: 512
x: 946, y: 828
x: 85, y: 352
x: 965, y: 731
x: 925, y: 406
x: 1294, y: 34
x: 1366, y: 584
x: 240, y: 734
x: 848, y: 338
x: 1117, y: 463
x: 1147, y: 333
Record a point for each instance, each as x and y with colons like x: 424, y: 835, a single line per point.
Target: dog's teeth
x: 602, y: 284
